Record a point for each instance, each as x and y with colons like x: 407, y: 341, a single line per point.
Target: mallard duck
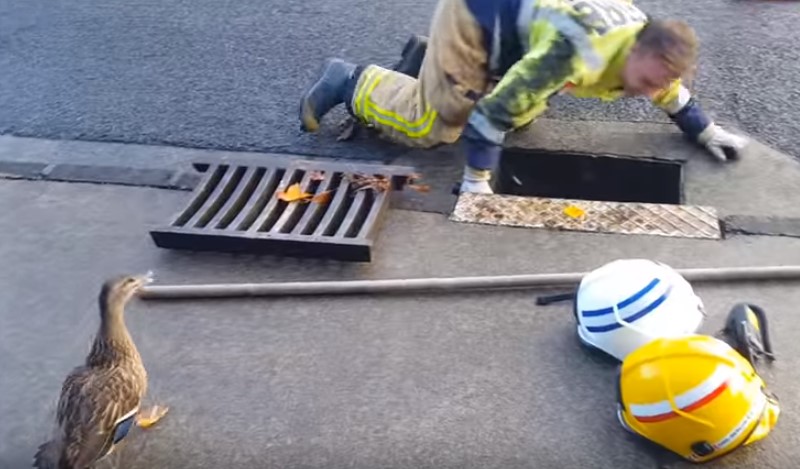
x: 100, y: 400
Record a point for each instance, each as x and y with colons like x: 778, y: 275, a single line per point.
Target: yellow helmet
x: 695, y: 396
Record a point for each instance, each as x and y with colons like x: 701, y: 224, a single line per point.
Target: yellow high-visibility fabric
x: 574, y: 46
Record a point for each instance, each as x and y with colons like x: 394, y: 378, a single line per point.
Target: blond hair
x: 673, y: 41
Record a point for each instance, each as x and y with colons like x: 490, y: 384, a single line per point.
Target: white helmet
x: 626, y: 303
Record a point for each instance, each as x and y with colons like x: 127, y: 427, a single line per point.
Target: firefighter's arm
x: 521, y: 95
x: 685, y: 111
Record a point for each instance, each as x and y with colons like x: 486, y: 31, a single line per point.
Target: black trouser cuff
x: 350, y: 89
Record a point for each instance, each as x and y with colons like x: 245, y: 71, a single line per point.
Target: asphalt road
x: 223, y: 74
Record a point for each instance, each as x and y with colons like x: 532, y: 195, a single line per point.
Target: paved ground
x: 484, y: 380
x: 479, y: 380
x: 228, y: 74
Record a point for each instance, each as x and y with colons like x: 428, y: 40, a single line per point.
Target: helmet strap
x: 747, y: 330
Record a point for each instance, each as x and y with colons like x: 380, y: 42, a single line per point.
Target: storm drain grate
x: 237, y: 208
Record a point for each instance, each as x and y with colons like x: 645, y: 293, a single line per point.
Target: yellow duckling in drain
x: 100, y: 400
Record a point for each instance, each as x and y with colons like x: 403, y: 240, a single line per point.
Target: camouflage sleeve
x: 672, y: 98
x: 522, y: 93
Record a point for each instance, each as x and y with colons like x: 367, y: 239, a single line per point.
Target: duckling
x: 100, y: 400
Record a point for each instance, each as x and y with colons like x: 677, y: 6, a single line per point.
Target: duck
x: 101, y: 400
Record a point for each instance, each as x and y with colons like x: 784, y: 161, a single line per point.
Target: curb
x: 743, y: 225
x: 115, y: 175
x: 761, y: 226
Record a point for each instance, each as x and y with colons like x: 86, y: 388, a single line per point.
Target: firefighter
x: 491, y: 66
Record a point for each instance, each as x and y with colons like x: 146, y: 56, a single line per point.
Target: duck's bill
x: 147, y: 278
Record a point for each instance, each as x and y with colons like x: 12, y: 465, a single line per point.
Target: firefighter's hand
x: 724, y: 145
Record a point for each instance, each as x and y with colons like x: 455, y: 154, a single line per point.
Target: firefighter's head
x: 665, y: 50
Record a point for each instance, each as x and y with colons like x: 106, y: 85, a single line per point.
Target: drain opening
x: 589, y: 177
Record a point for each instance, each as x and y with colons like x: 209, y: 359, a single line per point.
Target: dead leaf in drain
x: 420, y: 187
x: 377, y: 183
x: 317, y: 176
x: 322, y: 198
x: 293, y: 193
x: 574, y: 211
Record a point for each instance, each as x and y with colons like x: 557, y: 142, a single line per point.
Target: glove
x: 476, y: 181
x: 481, y: 156
x: 699, y: 128
x: 723, y: 145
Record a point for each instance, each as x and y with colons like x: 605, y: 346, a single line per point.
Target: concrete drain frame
x: 236, y: 208
x: 600, y: 193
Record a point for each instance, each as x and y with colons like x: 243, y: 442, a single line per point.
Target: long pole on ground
x: 419, y: 285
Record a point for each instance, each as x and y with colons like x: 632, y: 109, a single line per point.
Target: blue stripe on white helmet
x: 628, y: 302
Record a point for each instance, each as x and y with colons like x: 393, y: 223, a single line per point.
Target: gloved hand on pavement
x: 476, y: 181
x: 724, y: 145
x: 482, y: 145
x: 700, y: 128
x: 481, y: 156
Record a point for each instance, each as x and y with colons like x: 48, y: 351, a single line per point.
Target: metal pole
x: 228, y: 290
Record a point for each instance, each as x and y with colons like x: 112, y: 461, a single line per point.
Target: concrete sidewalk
x: 466, y: 380
x: 483, y: 380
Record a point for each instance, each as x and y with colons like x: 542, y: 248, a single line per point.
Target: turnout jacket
x: 539, y: 48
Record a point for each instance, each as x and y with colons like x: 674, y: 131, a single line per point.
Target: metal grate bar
x: 333, y: 216
x: 373, y: 219
x: 257, y: 200
x: 237, y: 199
x: 218, y: 197
x: 315, y: 210
x: 355, y: 215
x: 204, y: 189
x: 293, y: 211
x: 269, y: 213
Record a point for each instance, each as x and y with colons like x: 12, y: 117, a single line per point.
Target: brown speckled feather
x: 94, y: 396
x: 93, y: 400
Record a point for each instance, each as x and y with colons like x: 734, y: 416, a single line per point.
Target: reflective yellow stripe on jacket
x: 367, y: 109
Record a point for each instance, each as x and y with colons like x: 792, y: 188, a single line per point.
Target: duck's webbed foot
x: 151, y: 416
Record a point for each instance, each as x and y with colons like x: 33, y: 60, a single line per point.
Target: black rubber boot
x: 412, y: 55
x: 333, y: 87
x: 410, y: 64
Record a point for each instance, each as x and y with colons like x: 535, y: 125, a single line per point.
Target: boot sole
x: 309, y: 123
